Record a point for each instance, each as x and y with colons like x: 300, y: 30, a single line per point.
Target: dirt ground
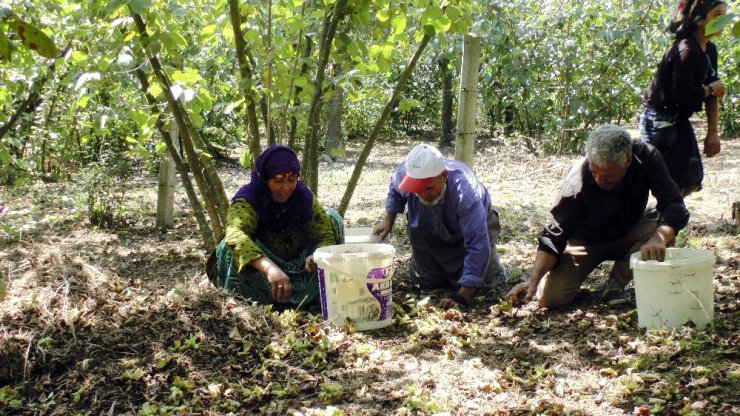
x: 123, y: 321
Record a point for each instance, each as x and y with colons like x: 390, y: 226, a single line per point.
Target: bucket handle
x: 701, y: 305
x: 332, y: 267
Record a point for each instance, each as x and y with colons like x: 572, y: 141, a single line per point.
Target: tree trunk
x: 310, y: 149
x: 266, y: 101
x: 205, y: 229
x: 246, y: 73
x: 166, y: 191
x: 47, y: 121
x: 445, y: 139
x: 269, y: 127
x: 296, y: 95
x: 355, y: 178
x: 205, y: 175
x: 2, y: 285
x: 32, y: 97
x: 284, y: 113
x: 334, y: 124
x: 467, y: 105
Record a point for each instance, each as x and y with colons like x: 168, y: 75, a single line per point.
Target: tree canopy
x: 549, y: 71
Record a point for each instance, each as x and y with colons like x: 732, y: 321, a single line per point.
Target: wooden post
x: 166, y: 192
x: 467, y: 100
x: 2, y: 285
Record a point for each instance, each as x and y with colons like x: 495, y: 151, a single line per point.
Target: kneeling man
x: 599, y: 215
x: 452, y: 226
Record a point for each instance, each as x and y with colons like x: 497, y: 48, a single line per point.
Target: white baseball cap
x: 423, y: 163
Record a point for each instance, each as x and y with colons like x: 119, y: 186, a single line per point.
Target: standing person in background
x: 452, y: 226
x: 686, y: 78
x: 273, y: 226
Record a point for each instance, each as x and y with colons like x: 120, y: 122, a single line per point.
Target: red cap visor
x: 414, y: 185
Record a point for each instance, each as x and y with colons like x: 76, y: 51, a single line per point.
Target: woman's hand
x: 712, y: 145
x: 281, y: 287
x: 310, y: 266
x: 719, y: 88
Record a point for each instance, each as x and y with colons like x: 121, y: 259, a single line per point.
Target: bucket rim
x: 704, y: 257
x: 358, y: 231
x: 373, y: 250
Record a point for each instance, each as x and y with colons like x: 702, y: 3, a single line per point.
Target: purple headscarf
x: 275, y: 216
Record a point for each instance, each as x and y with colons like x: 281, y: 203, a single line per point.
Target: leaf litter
x: 123, y: 321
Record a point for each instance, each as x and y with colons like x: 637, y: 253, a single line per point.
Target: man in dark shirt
x: 599, y: 216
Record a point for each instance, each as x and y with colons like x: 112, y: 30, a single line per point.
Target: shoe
x: 615, y: 296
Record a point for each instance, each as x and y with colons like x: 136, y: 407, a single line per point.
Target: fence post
x: 467, y: 106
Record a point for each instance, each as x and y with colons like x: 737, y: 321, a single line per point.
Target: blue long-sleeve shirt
x: 460, y: 217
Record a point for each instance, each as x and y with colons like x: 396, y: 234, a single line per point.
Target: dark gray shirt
x: 587, y: 213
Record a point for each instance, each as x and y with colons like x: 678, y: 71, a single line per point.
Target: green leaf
x: 33, y: 38
x: 188, y: 77
x: 76, y: 57
x: 142, y: 152
x: 353, y: 50
x: 22, y: 164
x: 155, y: 90
x: 159, y: 149
x: 736, y: 29
x: 375, y: 50
x: 442, y: 25
x: 6, y: 47
x: 300, y: 81
x: 382, y: 15
x: 398, y: 23
x: 82, y: 101
x: 139, y: 117
x: 197, y: 120
x: 140, y: 6
x: 5, y: 157
x: 173, y: 41
x: 251, y: 35
x: 718, y: 24
x: 207, y: 33
x: 388, y: 50
x: 204, y: 99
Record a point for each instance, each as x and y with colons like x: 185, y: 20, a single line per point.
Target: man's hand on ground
x: 467, y: 293
x: 524, y: 288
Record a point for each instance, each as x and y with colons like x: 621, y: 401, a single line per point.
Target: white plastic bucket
x: 360, y: 235
x: 676, y: 290
x: 355, y: 284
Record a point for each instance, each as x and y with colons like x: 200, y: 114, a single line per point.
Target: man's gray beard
x: 436, y: 200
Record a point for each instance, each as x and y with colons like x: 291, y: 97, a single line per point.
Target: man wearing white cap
x: 452, y: 226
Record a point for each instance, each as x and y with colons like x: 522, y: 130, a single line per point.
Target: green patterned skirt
x: 253, y: 285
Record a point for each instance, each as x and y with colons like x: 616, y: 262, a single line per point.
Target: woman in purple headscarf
x: 686, y: 80
x: 273, y: 226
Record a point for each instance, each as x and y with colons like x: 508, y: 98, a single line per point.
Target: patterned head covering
x: 275, y: 160
x: 687, y: 12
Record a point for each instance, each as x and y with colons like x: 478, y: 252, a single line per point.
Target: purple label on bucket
x: 381, y: 291
x: 322, y: 293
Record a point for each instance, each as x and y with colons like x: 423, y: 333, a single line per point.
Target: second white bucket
x: 676, y: 290
x: 355, y: 284
x: 360, y: 235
